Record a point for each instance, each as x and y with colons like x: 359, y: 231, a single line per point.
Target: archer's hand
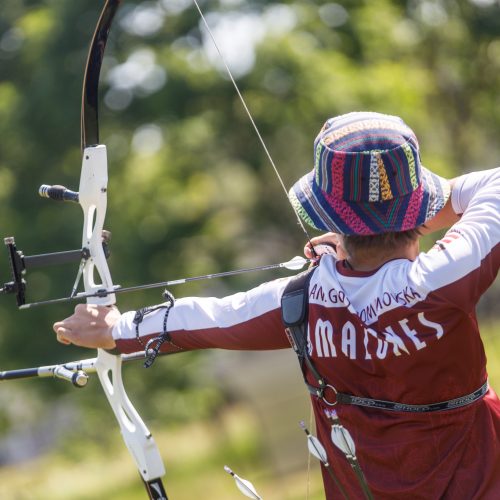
x: 90, y: 326
x: 326, y: 243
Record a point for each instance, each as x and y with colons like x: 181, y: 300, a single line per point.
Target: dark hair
x: 385, y: 241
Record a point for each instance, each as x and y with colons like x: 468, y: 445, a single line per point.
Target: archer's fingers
x: 315, y: 249
x: 68, y: 336
x: 308, y: 251
x: 72, y: 323
x: 62, y: 334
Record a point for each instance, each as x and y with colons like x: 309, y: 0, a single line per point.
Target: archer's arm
x: 467, y: 258
x: 243, y: 321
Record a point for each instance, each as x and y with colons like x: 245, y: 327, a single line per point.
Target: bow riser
x: 93, y: 200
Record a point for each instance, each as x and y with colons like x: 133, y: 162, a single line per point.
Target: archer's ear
x: 342, y: 253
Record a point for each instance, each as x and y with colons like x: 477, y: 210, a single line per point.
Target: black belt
x: 392, y: 406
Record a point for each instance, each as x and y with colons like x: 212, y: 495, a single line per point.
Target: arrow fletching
x: 316, y: 449
x: 342, y: 439
x: 246, y: 487
x: 295, y: 264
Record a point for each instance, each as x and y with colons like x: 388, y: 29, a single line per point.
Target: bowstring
x: 275, y: 168
x: 252, y: 121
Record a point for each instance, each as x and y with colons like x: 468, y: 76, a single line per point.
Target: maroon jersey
x: 406, y: 333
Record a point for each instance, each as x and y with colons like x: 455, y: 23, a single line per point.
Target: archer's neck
x: 376, y: 259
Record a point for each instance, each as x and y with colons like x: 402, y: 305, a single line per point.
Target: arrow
x: 318, y: 451
x: 293, y: 264
x: 246, y: 487
x: 342, y: 439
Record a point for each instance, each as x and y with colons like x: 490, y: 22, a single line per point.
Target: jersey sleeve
x: 244, y: 321
x: 467, y: 258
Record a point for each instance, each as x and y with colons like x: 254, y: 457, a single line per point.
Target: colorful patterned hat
x: 367, y: 178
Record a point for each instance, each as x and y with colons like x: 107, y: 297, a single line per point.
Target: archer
x: 386, y: 335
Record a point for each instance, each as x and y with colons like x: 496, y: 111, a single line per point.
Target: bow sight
x: 20, y: 263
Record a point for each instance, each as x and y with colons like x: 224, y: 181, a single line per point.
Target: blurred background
x: 192, y: 192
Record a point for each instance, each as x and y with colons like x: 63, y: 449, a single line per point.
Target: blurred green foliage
x: 191, y: 190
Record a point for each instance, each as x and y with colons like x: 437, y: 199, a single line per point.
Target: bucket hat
x: 367, y: 178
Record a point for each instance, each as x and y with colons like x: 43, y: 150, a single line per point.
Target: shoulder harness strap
x: 294, y: 313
